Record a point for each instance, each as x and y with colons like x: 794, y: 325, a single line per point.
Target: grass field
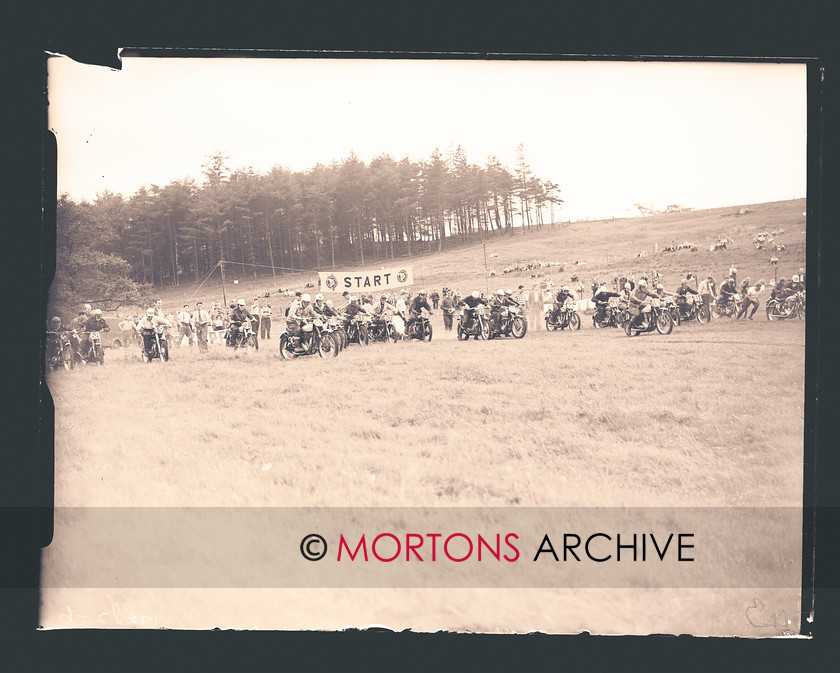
x: 711, y: 415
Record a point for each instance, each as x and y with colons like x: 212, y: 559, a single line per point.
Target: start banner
x: 356, y: 281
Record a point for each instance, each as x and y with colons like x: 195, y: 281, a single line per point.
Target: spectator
x: 265, y: 321
x: 708, y: 291
x: 185, y: 330
x: 201, y: 322
x: 447, y: 307
x: 434, y: 298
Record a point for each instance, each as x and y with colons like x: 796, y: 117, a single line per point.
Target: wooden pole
x: 224, y: 294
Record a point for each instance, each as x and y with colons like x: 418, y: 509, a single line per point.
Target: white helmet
x: 626, y: 286
x: 319, y: 297
x: 795, y: 279
x: 353, y: 298
x: 475, y: 294
x: 99, y: 310
x: 660, y: 287
x: 603, y: 286
x: 241, y: 302
x: 565, y: 288
x: 150, y: 311
x: 500, y: 292
x: 422, y: 292
x: 306, y: 297
x: 329, y: 303
x: 642, y: 282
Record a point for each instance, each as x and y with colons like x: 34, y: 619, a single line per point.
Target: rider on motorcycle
x: 681, y: 292
x: 298, y: 314
x: 146, y: 326
x: 469, y: 303
x: 351, y: 311
x: 795, y: 285
x: 415, y: 309
x: 602, y: 297
x: 238, y: 316
x: 501, y: 299
x: 94, y: 323
x: 727, y: 292
x: 324, y: 309
x: 637, y: 300
x: 560, y: 302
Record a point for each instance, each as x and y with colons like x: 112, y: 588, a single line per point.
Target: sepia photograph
x: 342, y: 342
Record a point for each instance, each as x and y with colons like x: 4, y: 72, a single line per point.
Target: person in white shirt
x: 265, y: 321
x: 751, y: 299
x: 184, y: 326
x: 201, y: 323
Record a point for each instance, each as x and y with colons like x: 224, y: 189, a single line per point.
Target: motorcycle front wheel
x: 664, y: 322
x: 427, y: 331
x: 485, y: 329
x: 67, y: 358
x: 327, y: 346
x: 519, y: 327
x: 703, y: 315
x: 391, y: 334
x: 100, y: 355
x: 461, y: 334
x: 286, y: 350
x: 574, y: 321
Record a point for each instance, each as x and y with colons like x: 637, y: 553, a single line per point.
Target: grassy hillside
x: 608, y: 248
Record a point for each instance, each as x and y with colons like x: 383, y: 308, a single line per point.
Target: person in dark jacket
x: 434, y: 298
x: 560, y: 302
x: 601, y: 298
x: 447, y: 307
x: 637, y: 301
x: 94, y: 323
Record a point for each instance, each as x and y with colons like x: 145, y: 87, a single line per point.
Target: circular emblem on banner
x: 402, y: 275
x: 332, y: 282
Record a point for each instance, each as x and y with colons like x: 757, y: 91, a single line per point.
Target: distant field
x: 606, y: 248
x: 711, y: 415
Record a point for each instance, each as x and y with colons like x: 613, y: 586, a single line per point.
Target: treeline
x: 346, y: 213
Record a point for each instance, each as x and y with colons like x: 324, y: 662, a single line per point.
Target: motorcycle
x: 510, y: 322
x: 612, y: 315
x: 337, y: 331
x: 790, y: 307
x: 419, y: 328
x: 316, y: 339
x: 95, y: 353
x: 727, y: 309
x: 59, y: 351
x: 159, y: 348
x: 244, y: 337
x: 382, y: 330
x: 656, y: 317
x: 357, y: 331
x: 695, y: 309
x: 565, y: 317
x: 479, y: 327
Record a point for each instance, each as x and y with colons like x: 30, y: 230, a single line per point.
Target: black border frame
x: 770, y: 30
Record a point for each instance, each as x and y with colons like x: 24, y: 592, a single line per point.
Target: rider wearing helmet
x: 796, y: 284
x: 469, y: 303
x: 321, y: 308
x: 238, y: 316
x: 94, y: 323
x: 637, y: 301
x: 502, y: 298
x: 146, y: 326
x: 601, y: 298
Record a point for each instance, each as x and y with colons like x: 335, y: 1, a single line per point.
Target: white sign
x: 352, y: 281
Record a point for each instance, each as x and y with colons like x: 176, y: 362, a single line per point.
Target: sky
x: 610, y: 134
